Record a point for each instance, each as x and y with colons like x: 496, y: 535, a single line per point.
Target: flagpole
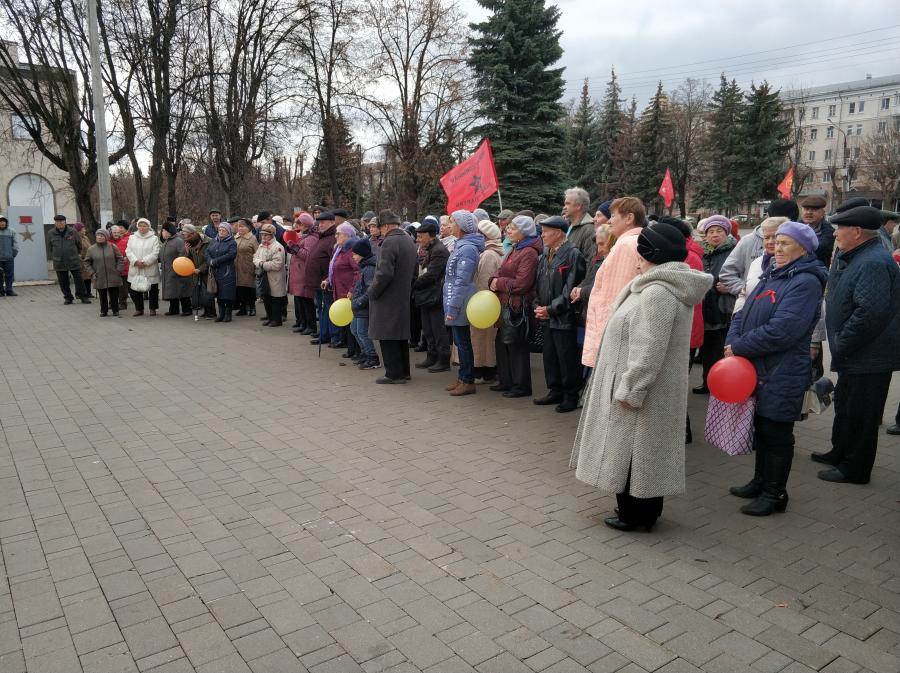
x: 500, y: 198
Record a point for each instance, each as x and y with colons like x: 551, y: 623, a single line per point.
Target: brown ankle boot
x: 453, y: 385
x: 463, y: 389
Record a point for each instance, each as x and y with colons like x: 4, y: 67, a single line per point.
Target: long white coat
x: 143, y: 248
x: 643, y: 361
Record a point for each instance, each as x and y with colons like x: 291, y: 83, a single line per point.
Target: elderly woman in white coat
x: 630, y: 439
x: 142, y: 252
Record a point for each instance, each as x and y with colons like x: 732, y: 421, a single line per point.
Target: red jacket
x: 121, y: 244
x: 695, y: 261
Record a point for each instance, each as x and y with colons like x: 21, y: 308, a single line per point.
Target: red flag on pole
x: 472, y: 181
x: 666, y: 190
x: 785, y: 186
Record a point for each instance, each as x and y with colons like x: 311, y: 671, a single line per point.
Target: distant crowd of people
x: 619, y: 304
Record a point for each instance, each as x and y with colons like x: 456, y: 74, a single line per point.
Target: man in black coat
x: 862, y: 318
x: 813, y: 214
x: 561, y: 267
x: 427, y: 291
x: 389, y: 298
x: 65, y: 251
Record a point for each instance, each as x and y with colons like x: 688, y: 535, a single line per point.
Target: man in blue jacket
x: 862, y: 318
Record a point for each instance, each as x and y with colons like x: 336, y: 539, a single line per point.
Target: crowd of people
x: 620, y: 304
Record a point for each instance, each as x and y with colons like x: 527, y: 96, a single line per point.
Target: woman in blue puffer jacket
x: 773, y: 331
x: 459, y: 286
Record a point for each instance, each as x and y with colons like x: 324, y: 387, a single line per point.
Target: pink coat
x: 695, y: 261
x: 297, y: 269
x: 617, y: 270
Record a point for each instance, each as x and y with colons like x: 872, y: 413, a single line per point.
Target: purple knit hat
x: 306, y: 218
x: 802, y: 233
x: 716, y: 221
x: 346, y: 229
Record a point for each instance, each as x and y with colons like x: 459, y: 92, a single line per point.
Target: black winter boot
x: 774, y: 497
x: 227, y: 314
x: 754, y: 487
x: 442, y: 365
x: 429, y: 361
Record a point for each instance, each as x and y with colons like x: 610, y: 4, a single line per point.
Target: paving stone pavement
x: 180, y: 496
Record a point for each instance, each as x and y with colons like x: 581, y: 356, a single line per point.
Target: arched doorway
x: 31, y: 189
x: 32, y: 204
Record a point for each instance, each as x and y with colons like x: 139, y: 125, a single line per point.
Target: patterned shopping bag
x: 729, y: 427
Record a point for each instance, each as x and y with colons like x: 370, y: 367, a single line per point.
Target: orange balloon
x: 183, y: 266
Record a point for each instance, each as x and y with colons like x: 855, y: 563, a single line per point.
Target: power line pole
x: 103, y: 184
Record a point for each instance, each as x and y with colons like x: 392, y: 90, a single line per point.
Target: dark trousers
x: 858, y: 407
x: 773, y: 442
x: 299, y: 315
x: 819, y: 363
x: 182, y: 305
x: 415, y: 324
x: 108, y: 295
x: 513, y: 365
x: 395, y: 356
x: 275, y: 307
x: 308, y: 312
x: 124, y: 291
x: 245, y: 298
x: 562, y: 366
x: 7, y: 271
x: 436, y: 335
x: 329, y: 333
x: 63, y: 278
x: 713, y: 349
x: 87, y: 286
x: 138, y: 298
x: 638, y: 511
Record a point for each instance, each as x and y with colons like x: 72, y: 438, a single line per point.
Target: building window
x: 856, y: 153
x: 829, y: 133
x: 812, y: 155
x: 19, y: 126
x: 861, y: 106
x: 852, y: 108
x: 885, y: 103
x: 882, y: 127
x: 826, y: 176
x: 827, y: 155
x: 813, y: 133
x: 859, y: 129
x: 832, y: 110
x: 815, y: 113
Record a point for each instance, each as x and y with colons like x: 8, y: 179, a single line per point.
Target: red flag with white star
x: 472, y: 181
x: 667, y: 190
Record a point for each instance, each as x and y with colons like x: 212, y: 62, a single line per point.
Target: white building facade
x: 833, y: 124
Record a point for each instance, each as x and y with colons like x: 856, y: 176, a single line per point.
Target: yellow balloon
x: 483, y: 309
x: 341, y: 313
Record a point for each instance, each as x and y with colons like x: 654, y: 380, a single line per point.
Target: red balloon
x: 732, y: 380
x: 291, y: 237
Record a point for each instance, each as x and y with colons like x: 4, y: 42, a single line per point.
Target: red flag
x: 785, y: 186
x: 472, y: 181
x: 666, y: 190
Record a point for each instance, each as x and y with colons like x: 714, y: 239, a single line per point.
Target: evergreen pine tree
x: 348, y: 164
x: 651, y: 150
x: 513, y: 50
x: 579, y: 156
x: 766, y: 135
x: 722, y: 152
x: 610, y: 162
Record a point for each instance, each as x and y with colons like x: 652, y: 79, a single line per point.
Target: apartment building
x: 833, y: 123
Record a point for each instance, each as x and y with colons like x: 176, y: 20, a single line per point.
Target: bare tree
x: 880, y: 163
x: 50, y: 92
x: 249, y: 76
x: 419, y: 92
x: 801, y: 134
x: 689, y: 102
x: 153, y: 42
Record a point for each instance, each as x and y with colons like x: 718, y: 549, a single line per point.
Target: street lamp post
x: 103, y: 185
x: 844, y: 186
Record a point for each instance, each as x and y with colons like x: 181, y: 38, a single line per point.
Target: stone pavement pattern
x: 197, y: 497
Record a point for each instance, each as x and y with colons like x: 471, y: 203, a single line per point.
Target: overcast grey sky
x: 649, y: 40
